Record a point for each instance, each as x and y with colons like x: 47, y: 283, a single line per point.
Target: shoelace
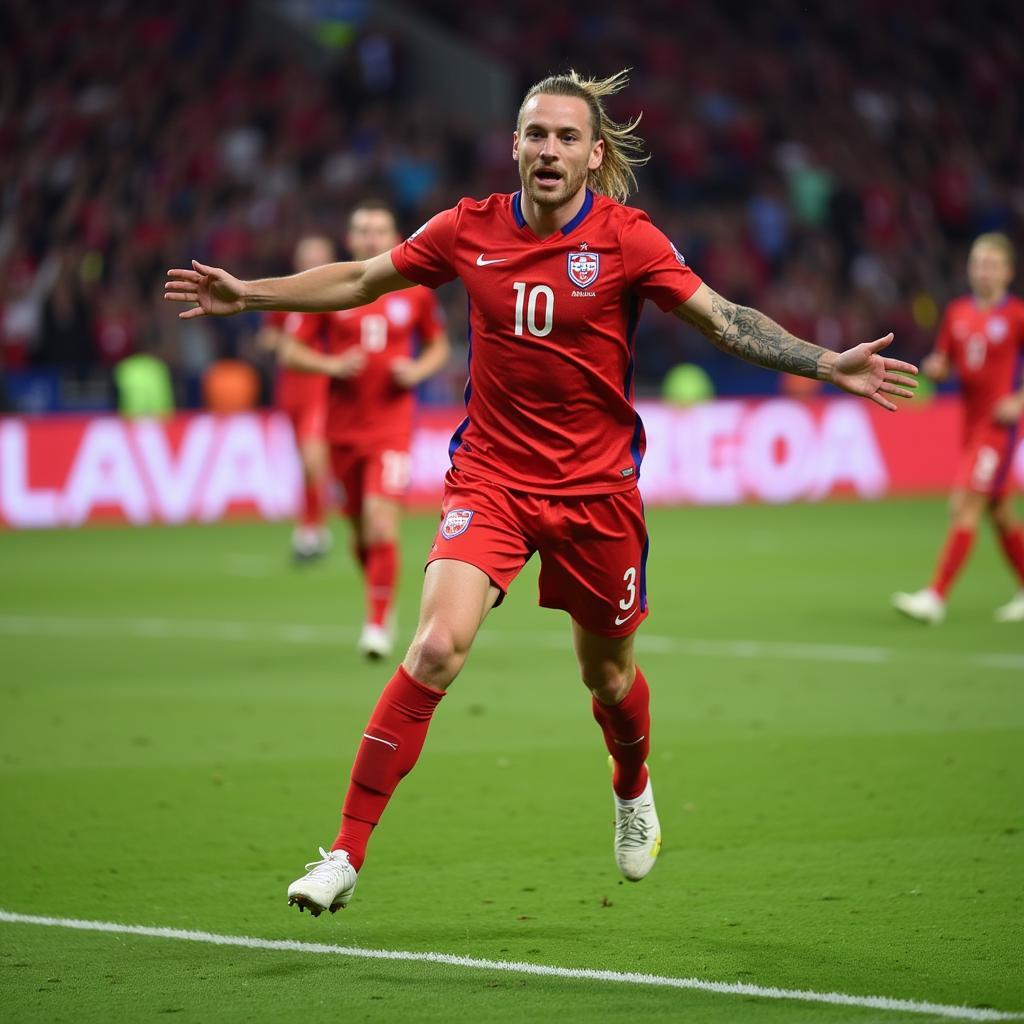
x: 631, y: 830
x: 336, y: 865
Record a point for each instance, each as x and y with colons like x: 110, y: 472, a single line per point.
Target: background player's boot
x: 637, y: 834
x: 375, y: 641
x: 922, y: 605
x: 1013, y: 611
x: 327, y: 885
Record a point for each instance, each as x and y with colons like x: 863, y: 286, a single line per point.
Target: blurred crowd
x: 827, y: 164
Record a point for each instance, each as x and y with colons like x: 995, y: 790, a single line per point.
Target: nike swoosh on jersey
x: 481, y: 262
x: 619, y: 622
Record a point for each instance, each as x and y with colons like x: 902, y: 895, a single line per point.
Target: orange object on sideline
x: 230, y: 385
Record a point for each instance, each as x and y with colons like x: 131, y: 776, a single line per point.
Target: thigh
x: 594, y: 566
x: 483, y: 525
x: 386, y: 473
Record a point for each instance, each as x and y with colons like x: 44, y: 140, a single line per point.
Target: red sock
x: 954, y: 554
x: 627, y: 735
x: 1012, y: 542
x: 381, y: 571
x: 312, y: 504
x: 389, y: 749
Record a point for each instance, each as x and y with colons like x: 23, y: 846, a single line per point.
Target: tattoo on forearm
x: 751, y: 335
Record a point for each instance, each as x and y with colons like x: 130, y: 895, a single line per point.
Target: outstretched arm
x: 215, y: 292
x: 752, y: 336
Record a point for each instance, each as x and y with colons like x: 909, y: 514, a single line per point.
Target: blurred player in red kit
x: 368, y: 355
x: 981, y: 340
x: 548, y: 456
x: 303, y: 398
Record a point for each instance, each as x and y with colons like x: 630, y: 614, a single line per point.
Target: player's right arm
x: 215, y: 292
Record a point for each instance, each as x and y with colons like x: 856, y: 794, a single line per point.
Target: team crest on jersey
x: 583, y: 268
x: 996, y: 329
x: 455, y: 522
x: 398, y: 310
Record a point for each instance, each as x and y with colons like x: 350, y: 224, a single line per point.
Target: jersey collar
x: 568, y: 229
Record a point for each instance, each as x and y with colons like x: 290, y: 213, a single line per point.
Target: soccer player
x: 981, y: 338
x: 303, y: 398
x: 370, y: 406
x: 548, y: 455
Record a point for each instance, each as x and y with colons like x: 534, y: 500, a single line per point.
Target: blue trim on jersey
x: 588, y: 202
x: 517, y: 210
x: 456, y: 442
x: 643, y: 569
x: 638, y: 428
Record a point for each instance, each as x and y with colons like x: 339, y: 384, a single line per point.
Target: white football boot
x: 1013, y: 611
x: 327, y: 885
x: 922, y: 605
x: 637, y: 834
x: 375, y: 641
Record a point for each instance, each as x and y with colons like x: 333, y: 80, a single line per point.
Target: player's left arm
x: 1009, y: 409
x: 750, y: 335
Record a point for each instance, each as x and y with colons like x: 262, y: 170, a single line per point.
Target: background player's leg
x: 379, y: 529
x: 620, y: 703
x: 311, y: 539
x: 967, y: 508
x: 929, y: 604
x: 1011, y: 540
x: 456, y: 598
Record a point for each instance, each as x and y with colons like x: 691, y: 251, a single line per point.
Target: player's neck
x: 546, y: 220
x: 987, y: 301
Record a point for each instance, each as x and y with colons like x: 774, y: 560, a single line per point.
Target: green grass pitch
x: 841, y: 791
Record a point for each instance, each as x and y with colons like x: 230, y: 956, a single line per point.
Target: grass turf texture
x: 830, y: 824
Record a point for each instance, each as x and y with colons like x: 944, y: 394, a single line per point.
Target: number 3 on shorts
x: 629, y: 578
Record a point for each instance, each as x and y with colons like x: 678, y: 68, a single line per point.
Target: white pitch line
x: 308, y: 633
x: 725, y: 988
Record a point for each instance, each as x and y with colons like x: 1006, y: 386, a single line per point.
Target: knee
x: 435, y: 656
x: 608, y: 681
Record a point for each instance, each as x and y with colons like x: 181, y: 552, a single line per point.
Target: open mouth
x: 547, y: 176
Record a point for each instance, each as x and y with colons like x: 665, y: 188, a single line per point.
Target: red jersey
x: 549, y: 401
x: 294, y: 389
x: 986, y: 349
x: 370, y: 410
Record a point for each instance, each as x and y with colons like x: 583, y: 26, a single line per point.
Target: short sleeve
x: 430, y: 317
x: 427, y: 256
x: 944, y: 340
x: 654, y: 267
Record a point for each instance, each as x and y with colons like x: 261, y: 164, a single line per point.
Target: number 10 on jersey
x: 531, y: 301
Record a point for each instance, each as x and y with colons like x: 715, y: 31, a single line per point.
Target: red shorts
x: 987, y: 458
x: 366, y: 472
x: 593, y: 549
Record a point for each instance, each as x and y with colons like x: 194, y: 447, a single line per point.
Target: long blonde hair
x: 623, y: 150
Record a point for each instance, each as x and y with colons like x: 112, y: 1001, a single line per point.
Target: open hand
x: 862, y: 371
x: 215, y: 291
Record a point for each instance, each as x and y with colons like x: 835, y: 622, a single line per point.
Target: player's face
x: 313, y: 252
x: 988, y: 271
x: 371, y: 232
x: 555, y: 148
